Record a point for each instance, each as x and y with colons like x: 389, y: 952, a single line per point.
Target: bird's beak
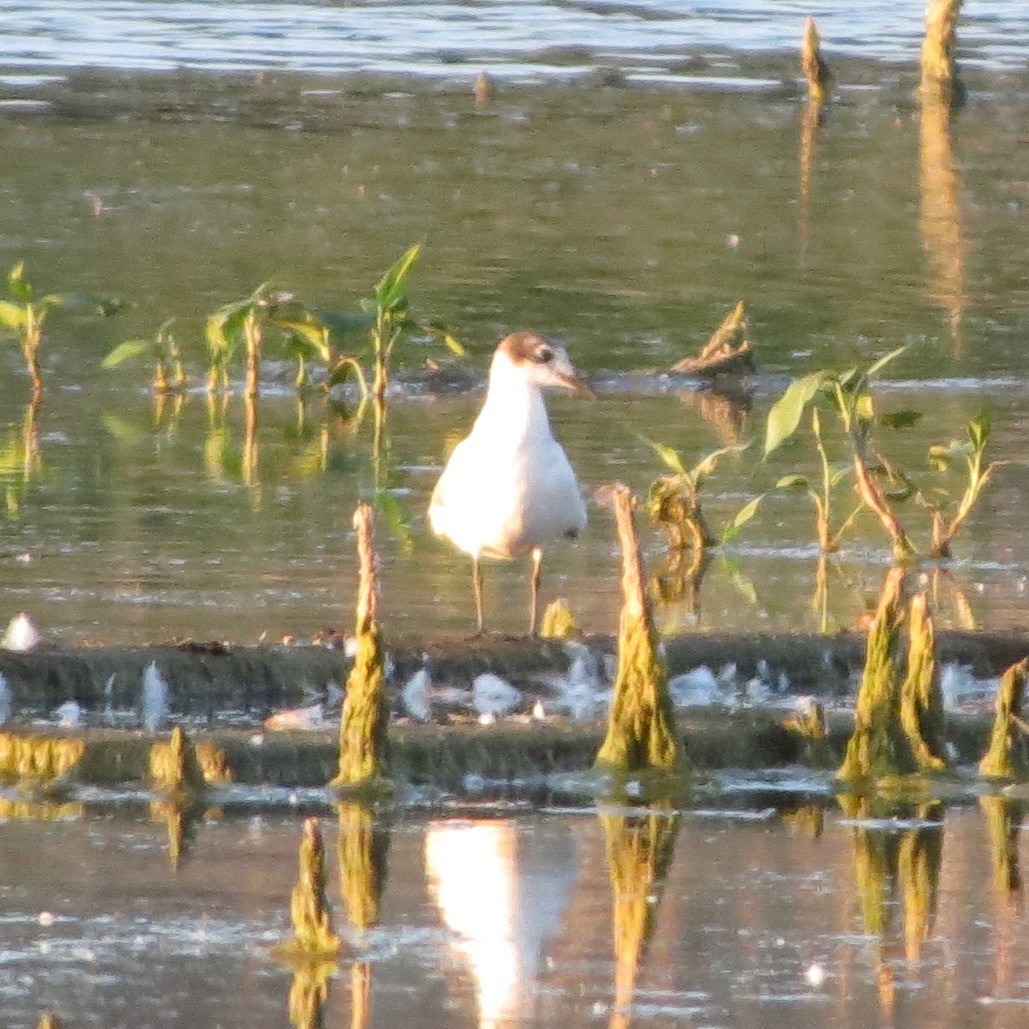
x: 572, y: 381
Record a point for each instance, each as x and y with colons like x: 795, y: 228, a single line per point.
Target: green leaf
x: 443, y: 334
x: 668, y: 456
x: 120, y: 428
x: 979, y: 430
x: 884, y: 361
x: 787, y: 411
x: 793, y: 484
x: 840, y: 470
x: 310, y: 332
x: 743, y: 516
x: 738, y: 579
x: 12, y: 316
x: 899, y: 419
x: 707, y: 464
x: 17, y: 287
x: 389, y: 292
x: 224, y: 328
x: 343, y: 323
x: 127, y: 351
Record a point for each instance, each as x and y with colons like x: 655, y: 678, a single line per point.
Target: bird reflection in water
x: 503, y: 893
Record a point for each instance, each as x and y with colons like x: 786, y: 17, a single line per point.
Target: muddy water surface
x: 712, y: 917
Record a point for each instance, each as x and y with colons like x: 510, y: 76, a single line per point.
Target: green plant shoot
x: 169, y: 372
x: 850, y: 394
x: 942, y: 458
x: 23, y: 316
x: 832, y: 474
x: 674, y: 502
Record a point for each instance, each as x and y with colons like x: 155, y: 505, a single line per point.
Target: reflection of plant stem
x: 919, y: 859
x: 309, y: 993
x: 639, y: 852
x: 962, y: 605
x: 811, y: 122
x: 250, y: 448
x: 1004, y: 825
x: 360, y: 994
x: 680, y: 580
x: 362, y: 852
x: 940, y: 221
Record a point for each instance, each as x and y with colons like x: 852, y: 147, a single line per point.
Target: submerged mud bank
x: 206, y: 681
x: 453, y: 757
x: 223, y: 692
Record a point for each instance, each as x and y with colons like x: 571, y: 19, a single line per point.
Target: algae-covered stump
x: 816, y: 71
x: 641, y: 724
x: 38, y: 760
x: 938, y: 66
x: 921, y: 699
x: 879, y: 747
x: 558, y: 621
x: 174, y: 767
x: 362, y: 731
x: 898, y: 723
x: 1008, y: 756
x: 314, y: 939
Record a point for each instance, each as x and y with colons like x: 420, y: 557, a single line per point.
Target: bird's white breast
x: 508, y: 487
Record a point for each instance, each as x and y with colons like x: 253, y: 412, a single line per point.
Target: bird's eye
x: 544, y: 354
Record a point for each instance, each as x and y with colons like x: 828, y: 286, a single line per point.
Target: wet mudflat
x: 769, y: 911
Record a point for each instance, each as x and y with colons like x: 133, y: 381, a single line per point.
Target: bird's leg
x: 477, y: 587
x: 537, y: 561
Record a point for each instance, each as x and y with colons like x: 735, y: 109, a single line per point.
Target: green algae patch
x: 363, y: 741
x: 1008, y: 754
x: 314, y: 940
x: 641, y: 730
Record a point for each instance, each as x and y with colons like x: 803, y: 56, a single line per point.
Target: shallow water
x: 624, y: 222
x: 489, y: 916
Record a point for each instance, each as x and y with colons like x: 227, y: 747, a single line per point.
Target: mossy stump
x: 810, y: 726
x: 1008, y: 754
x: 816, y: 71
x: 38, y: 760
x: 314, y: 940
x: 558, y: 621
x: 879, y: 748
x: 921, y: 700
x: 641, y: 724
x: 938, y: 65
x: 363, y: 747
x: 174, y: 767
x: 727, y: 352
